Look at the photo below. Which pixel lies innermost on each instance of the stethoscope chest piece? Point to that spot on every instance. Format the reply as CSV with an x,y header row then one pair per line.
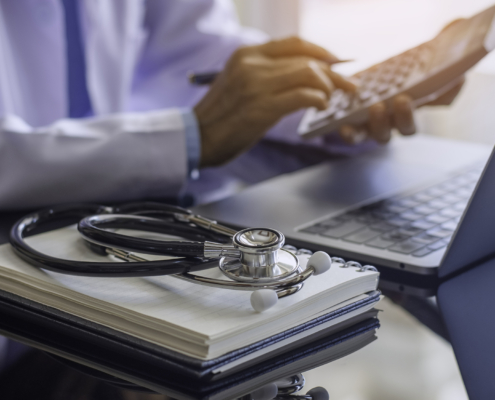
x,y
262,258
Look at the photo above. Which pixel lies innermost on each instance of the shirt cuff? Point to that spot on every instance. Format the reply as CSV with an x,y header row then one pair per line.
x,y
193,142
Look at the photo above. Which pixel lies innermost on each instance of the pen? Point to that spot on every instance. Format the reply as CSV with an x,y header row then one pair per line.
x,y
208,77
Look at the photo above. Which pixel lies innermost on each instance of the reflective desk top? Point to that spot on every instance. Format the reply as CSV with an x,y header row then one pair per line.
x,y
408,361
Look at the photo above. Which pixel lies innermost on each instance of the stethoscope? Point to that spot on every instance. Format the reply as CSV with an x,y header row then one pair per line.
x,y
286,389
253,259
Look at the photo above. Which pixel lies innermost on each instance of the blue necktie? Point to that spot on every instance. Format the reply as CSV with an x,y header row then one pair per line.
x,y
79,103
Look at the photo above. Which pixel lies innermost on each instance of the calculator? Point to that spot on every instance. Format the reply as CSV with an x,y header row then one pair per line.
x,y
424,73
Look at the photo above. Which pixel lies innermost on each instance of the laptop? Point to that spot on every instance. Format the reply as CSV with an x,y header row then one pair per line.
x,y
398,206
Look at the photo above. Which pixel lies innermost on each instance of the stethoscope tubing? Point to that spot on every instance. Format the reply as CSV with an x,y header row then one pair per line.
x,y
104,268
94,229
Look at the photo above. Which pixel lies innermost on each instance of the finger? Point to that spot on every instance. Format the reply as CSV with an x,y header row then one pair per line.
x,y
306,74
340,82
403,114
448,97
295,99
379,125
294,46
290,63
353,135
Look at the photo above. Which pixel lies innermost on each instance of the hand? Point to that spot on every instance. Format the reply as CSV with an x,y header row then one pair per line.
x,y
381,120
259,85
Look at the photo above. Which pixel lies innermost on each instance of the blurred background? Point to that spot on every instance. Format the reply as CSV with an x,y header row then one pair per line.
x,y
370,31
408,361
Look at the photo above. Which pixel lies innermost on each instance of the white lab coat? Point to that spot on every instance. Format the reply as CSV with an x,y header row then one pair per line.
x,y
138,54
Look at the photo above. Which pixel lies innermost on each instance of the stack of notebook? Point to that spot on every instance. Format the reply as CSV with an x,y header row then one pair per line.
x,y
202,331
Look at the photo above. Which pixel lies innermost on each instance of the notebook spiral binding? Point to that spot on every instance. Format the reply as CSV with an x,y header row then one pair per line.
x,y
335,260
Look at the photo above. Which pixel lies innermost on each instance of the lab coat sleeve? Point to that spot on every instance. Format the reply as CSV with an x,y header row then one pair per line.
x,y
116,157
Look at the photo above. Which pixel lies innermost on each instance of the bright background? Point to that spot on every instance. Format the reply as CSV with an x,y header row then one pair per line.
x,y
372,30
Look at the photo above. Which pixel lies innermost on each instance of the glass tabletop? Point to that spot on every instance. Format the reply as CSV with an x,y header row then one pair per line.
x,y
408,361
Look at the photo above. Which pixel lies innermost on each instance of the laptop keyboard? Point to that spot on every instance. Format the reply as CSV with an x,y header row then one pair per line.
x,y
416,224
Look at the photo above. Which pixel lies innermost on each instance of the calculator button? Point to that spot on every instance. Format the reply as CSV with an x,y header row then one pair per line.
x,y
386,77
399,80
366,95
345,102
383,88
403,70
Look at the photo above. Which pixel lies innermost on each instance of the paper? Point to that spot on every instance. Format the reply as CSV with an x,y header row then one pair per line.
x,y
169,304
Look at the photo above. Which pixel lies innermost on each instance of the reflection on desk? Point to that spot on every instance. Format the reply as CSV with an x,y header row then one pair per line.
x,y
270,379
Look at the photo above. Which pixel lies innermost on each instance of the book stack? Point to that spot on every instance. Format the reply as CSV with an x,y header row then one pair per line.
x,y
197,331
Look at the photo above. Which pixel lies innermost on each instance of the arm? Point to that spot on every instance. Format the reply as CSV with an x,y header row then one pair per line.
x,y
111,158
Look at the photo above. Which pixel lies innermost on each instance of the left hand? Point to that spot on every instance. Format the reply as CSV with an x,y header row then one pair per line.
x,y
381,121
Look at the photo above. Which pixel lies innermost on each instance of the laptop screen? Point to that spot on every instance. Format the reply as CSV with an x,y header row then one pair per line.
x,y
474,239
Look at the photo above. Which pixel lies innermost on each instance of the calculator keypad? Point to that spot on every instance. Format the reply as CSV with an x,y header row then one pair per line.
x,y
377,83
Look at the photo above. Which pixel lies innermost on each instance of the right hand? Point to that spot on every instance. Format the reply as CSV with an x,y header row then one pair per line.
x,y
260,85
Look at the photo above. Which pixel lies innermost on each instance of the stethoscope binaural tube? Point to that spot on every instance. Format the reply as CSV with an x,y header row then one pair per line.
x,y
95,229
253,259
103,269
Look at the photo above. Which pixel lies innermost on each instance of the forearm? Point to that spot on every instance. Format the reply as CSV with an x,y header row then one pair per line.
x,y
111,158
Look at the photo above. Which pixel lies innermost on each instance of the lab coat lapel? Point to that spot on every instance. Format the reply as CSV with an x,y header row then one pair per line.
x,y
113,36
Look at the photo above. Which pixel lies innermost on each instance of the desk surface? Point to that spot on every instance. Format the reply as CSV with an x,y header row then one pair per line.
x,y
407,362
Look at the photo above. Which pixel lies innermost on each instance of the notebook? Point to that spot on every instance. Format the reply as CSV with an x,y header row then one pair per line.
x,y
197,321
122,367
